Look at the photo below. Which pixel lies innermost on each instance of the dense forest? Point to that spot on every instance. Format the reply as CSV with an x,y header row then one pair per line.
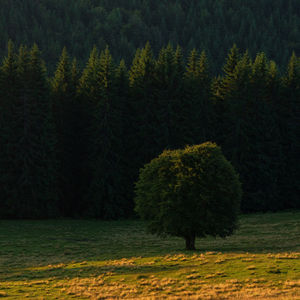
x,y
72,144
211,25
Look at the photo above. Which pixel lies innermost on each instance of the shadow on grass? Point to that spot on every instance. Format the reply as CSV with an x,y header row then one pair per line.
x,y
29,244
88,271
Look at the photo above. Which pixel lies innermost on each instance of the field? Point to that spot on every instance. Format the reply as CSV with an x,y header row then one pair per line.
x,y
67,259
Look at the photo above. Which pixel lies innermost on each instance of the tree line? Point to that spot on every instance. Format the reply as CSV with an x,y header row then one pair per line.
x,y
71,145
213,25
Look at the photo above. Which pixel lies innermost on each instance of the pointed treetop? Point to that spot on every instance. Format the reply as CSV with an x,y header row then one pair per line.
x,y
37,65
292,77
203,71
246,58
179,61
191,68
232,59
260,65
9,62
106,68
242,70
273,70
89,74
35,53
121,69
142,65
23,59
93,59
62,75
75,73
165,67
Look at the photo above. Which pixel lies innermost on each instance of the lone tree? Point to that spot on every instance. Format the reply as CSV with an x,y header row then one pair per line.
x,y
189,193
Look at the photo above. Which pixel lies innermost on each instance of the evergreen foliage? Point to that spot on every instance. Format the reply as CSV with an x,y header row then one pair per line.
x,y
106,192
144,105
197,99
127,25
29,147
72,145
189,193
66,115
8,95
289,116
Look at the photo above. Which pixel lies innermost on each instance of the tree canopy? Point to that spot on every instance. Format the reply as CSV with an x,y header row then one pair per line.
x,y
72,144
210,25
189,193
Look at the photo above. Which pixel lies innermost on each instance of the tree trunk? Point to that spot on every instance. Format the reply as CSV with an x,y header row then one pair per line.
x,y
190,242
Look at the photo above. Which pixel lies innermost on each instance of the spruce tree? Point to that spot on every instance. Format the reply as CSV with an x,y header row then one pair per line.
x,y
198,105
106,195
164,93
190,108
66,114
88,92
178,139
141,76
35,190
222,87
289,126
121,105
263,152
233,114
8,96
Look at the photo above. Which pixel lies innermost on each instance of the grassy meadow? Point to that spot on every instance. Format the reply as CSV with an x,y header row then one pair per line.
x,y
68,259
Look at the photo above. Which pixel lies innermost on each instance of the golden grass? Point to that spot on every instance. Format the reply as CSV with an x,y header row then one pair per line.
x,y
193,281
117,260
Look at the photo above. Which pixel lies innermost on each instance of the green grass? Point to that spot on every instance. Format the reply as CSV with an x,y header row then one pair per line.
x,y
102,260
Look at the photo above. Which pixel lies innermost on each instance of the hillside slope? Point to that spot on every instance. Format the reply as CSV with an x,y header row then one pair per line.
x,y
213,25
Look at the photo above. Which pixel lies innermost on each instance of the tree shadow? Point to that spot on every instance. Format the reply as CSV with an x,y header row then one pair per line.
x,y
81,271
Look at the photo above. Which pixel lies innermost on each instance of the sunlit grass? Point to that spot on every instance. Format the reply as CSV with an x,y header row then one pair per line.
x,y
109,260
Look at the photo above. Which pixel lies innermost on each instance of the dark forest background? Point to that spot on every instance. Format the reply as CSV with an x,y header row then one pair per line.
x,y
211,25
77,123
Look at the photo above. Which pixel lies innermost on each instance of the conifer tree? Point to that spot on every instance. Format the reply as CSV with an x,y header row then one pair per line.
x,y
222,88
66,114
45,139
190,98
164,93
178,122
8,96
227,92
232,60
260,158
197,98
233,113
106,192
122,106
35,186
289,125
141,77
88,92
